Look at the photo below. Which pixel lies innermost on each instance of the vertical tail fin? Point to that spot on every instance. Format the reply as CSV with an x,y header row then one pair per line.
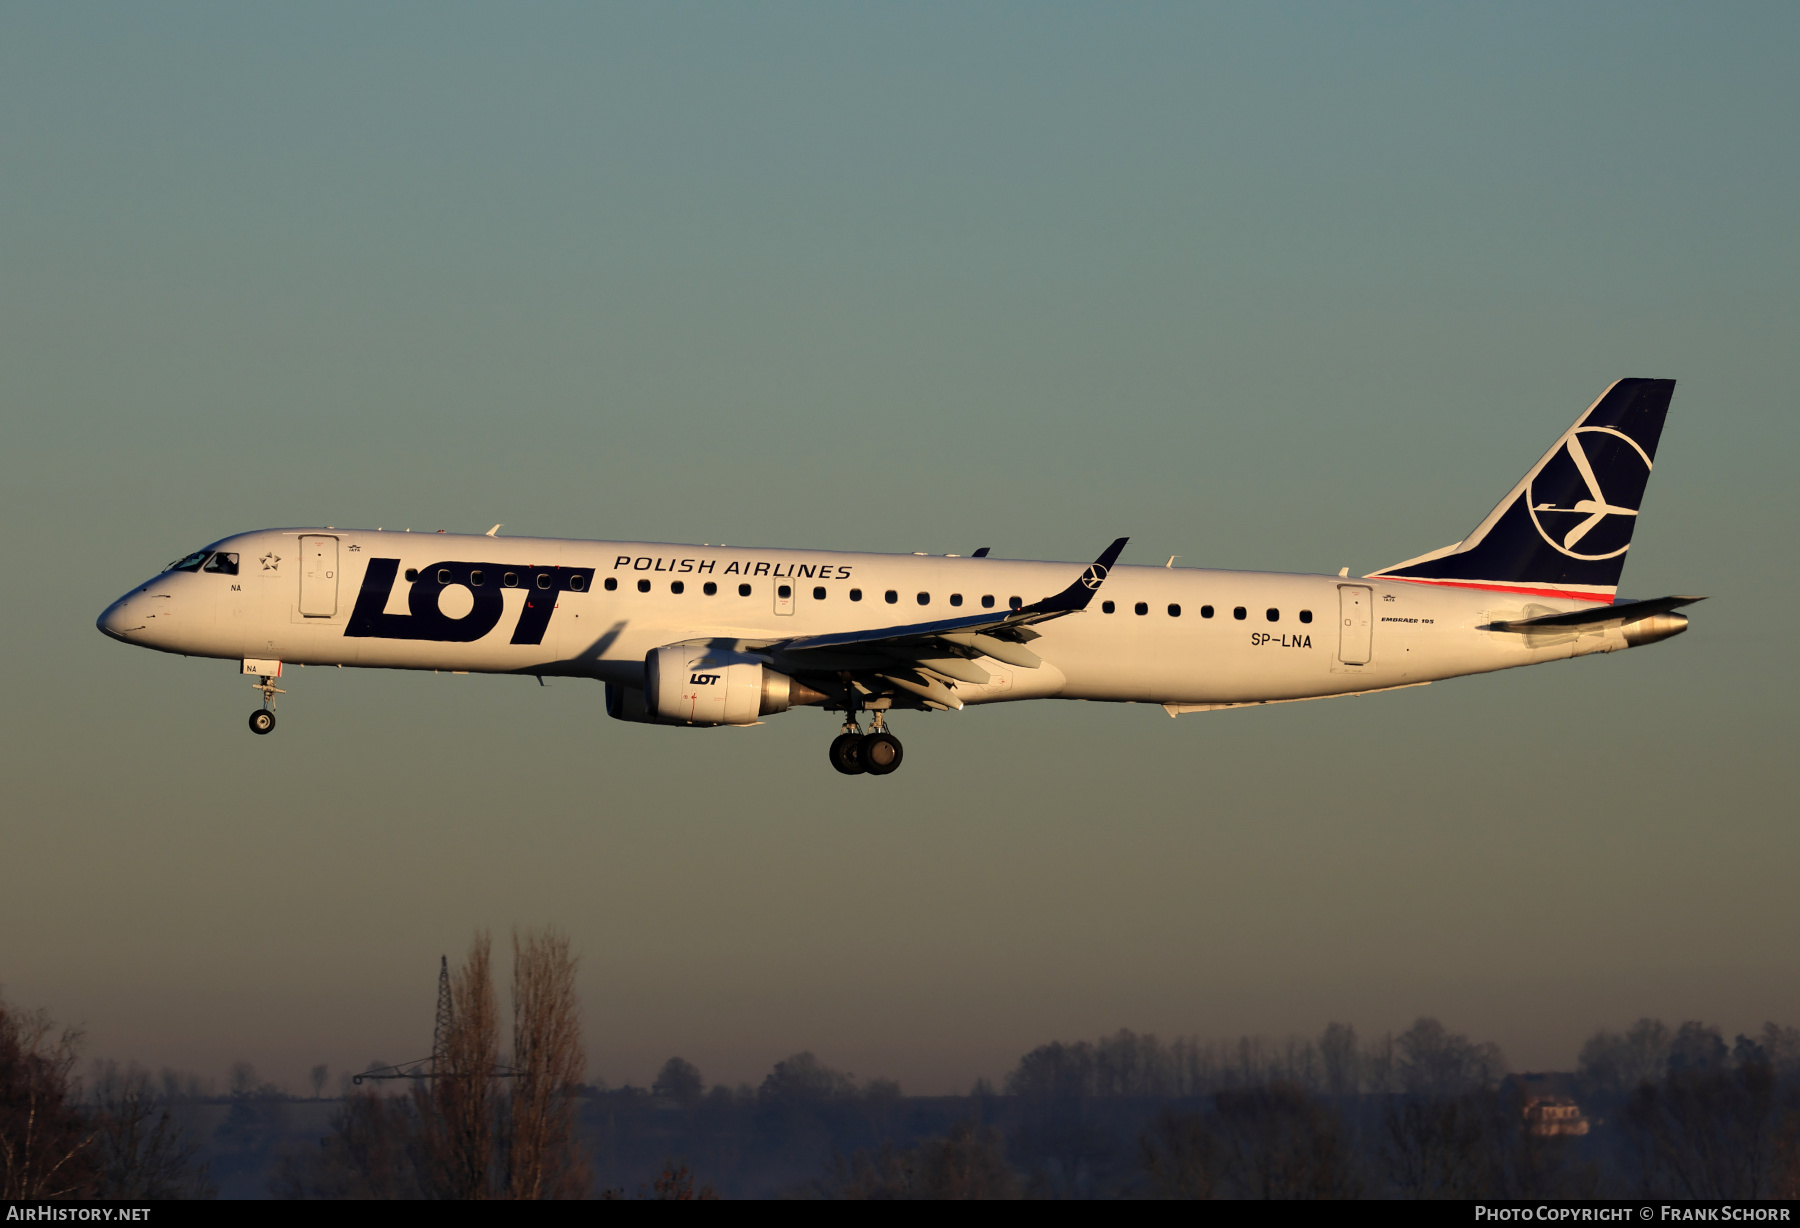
x,y
1564,529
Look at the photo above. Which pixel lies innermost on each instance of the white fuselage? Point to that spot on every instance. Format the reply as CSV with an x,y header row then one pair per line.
x,y
1300,636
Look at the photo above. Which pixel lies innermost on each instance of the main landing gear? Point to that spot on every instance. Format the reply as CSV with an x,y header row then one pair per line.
x,y
263,719
878,752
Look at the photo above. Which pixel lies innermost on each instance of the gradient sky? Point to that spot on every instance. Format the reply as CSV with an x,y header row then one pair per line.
x,y
1264,286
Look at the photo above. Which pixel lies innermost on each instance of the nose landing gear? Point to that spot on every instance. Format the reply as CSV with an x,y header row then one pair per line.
x,y
877,753
263,719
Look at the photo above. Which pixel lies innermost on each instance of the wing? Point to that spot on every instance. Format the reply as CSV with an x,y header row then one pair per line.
x,y
925,661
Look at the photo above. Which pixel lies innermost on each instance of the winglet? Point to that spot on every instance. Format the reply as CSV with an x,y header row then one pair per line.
x,y
1078,594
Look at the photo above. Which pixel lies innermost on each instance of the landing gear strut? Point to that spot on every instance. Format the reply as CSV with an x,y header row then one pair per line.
x,y
854,753
263,719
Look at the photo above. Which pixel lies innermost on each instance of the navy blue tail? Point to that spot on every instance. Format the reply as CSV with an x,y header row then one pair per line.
x,y
1564,529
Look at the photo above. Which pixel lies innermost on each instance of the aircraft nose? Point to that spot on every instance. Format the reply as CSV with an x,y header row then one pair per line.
x,y
120,619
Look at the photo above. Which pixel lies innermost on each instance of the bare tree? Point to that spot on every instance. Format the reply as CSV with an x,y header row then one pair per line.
x,y
1182,1155
966,1164
1611,1064
542,1158
1437,1062
320,1073
1708,1131
46,1144
680,1081
456,1110
139,1149
1337,1047
1278,1142
1439,1147
365,1155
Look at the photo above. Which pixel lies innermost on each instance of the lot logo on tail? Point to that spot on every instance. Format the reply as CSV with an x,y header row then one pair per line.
x,y
1601,528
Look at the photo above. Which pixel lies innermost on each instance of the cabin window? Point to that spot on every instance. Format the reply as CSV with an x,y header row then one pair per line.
x,y
510,579
677,587
1106,607
856,594
1305,616
1174,610
222,564
743,590
955,598
1206,611
612,584
474,579
1240,613
643,586
1015,603
1142,607
443,575
818,594
190,563
576,583
785,591
1274,616
412,573
710,589
924,598
543,580
987,602
891,596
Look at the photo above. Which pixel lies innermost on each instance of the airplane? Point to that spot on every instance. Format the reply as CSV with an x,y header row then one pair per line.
x,y
712,636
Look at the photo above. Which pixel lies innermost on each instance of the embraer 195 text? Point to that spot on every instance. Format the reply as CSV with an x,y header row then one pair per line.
x,y
710,635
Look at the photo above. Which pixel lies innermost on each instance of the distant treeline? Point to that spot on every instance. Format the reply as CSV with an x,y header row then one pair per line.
x,y
1652,1111
1429,1113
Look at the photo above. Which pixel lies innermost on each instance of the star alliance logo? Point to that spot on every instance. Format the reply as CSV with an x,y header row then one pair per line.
x,y
271,562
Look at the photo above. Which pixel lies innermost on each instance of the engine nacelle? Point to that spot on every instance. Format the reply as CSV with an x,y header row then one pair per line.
x,y
693,683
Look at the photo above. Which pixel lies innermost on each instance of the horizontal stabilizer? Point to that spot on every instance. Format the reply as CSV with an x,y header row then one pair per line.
x,y
1597,618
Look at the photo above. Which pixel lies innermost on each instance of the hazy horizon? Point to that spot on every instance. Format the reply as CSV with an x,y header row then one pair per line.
x,y
1275,287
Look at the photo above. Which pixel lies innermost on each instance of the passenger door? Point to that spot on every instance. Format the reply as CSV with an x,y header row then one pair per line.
x,y
1355,632
318,576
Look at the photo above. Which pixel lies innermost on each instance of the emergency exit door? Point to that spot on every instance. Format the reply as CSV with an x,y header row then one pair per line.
x,y
318,576
784,596
1355,632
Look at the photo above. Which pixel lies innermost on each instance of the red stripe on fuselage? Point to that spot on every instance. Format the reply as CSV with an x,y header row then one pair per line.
x,y
1562,594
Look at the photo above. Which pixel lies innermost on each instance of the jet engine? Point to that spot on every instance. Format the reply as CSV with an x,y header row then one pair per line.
x,y
694,683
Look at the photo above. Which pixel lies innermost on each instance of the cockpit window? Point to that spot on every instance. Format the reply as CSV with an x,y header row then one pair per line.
x,y
222,564
190,563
